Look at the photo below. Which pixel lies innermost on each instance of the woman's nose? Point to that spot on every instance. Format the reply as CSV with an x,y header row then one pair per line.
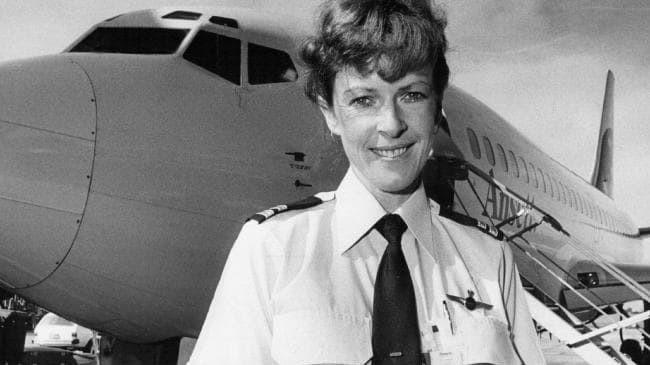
x,y
390,121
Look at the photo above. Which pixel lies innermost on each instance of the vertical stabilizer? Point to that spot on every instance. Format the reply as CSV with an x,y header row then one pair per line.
x,y
602,177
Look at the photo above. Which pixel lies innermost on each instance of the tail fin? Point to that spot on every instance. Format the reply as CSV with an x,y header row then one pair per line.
x,y
602,177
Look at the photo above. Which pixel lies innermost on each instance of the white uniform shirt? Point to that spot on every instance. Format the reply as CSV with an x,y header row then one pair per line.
x,y
298,288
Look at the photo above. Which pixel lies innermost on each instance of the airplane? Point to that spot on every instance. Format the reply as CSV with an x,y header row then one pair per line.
x,y
130,161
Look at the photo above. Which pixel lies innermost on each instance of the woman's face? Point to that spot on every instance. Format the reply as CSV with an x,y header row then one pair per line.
x,y
386,128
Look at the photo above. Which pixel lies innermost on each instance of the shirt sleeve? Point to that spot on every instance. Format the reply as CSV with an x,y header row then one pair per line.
x,y
238,327
523,334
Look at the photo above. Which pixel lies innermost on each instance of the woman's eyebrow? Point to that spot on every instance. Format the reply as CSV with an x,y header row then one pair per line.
x,y
355,90
415,83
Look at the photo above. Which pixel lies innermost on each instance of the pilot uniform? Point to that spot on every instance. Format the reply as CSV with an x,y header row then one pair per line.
x,y
298,288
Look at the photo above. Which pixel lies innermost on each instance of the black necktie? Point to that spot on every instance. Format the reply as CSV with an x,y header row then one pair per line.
x,y
395,332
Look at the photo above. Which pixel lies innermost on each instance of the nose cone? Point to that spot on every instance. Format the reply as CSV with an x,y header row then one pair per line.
x,y
47,139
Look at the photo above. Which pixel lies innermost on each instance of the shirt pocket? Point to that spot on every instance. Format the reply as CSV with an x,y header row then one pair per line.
x,y
486,340
311,337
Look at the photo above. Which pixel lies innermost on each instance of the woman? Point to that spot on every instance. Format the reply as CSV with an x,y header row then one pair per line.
x,y
370,273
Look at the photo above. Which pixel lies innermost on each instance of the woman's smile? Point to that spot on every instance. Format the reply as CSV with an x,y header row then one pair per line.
x,y
391,152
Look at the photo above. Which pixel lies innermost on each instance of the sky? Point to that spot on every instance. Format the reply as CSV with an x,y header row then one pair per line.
x,y
541,64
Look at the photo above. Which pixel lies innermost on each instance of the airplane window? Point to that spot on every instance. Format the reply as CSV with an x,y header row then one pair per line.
x,y
542,180
488,150
513,163
574,201
563,191
183,15
216,53
502,157
600,215
473,144
550,185
228,22
132,41
581,203
269,66
533,175
567,196
551,181
524,169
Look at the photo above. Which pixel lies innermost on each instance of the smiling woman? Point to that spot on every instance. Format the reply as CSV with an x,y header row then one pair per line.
x,y
386,129
370,273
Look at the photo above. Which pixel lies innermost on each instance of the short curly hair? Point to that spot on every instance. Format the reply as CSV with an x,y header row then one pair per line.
x,y
390,37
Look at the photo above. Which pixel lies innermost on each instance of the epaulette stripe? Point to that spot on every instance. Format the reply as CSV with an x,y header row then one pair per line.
x,y
301,204
473,222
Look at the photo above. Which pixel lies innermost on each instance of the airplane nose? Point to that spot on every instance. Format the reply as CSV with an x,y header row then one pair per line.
x,y
47,141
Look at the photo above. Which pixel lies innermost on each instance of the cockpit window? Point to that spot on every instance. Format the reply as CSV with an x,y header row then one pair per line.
x,y
132,41
183,15
269,66
226,22
216,53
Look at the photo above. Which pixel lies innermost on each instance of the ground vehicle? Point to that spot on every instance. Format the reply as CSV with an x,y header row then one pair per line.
x,y
55,331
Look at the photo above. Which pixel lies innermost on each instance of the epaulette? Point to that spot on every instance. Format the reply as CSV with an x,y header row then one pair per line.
x,y
473,222
309,202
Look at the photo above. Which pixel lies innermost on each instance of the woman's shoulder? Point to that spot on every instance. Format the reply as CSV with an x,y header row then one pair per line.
x,y
303,206
472,235
290,222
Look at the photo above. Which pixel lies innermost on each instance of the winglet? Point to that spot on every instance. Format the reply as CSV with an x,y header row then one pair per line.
x,y
602,177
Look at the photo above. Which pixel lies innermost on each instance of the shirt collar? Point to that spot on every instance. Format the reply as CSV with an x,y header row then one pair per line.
x,y
416,212
357,211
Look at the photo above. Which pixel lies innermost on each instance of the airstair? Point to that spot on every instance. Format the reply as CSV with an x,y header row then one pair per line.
x,y
584,340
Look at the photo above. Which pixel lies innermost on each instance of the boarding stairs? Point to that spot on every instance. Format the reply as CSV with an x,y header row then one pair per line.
x,y
585,341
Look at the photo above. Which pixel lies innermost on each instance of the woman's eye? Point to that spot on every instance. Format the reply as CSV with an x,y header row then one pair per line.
x,y
362,101
414,96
